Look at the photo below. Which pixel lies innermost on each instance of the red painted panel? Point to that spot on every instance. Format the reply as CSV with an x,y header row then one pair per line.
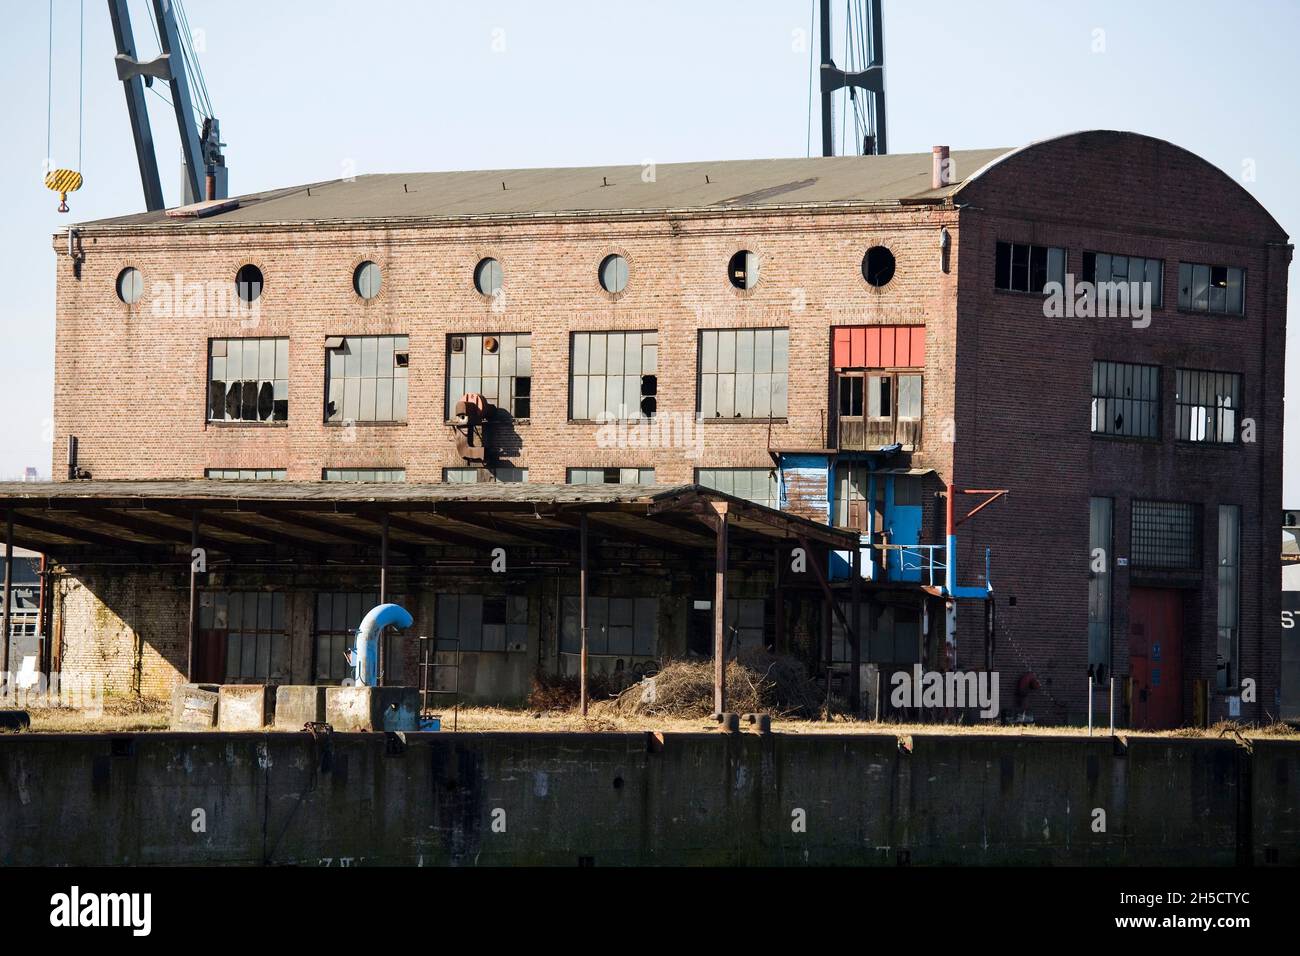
x,y
1156,657
873,347
840,353
878,346
917,357
858,347
902,346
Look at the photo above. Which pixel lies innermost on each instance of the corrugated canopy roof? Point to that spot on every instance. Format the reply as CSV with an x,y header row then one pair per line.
x,y
94,520
747,184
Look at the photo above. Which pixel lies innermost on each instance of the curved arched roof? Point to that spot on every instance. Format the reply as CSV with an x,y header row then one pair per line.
x,y
1045,151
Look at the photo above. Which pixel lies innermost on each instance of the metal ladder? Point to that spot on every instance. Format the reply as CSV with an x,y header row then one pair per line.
x,y
429,667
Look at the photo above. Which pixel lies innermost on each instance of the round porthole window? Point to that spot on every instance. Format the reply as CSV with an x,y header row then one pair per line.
x,y
742,270
248,283
487,277
130,285
613,273
367,279
878,266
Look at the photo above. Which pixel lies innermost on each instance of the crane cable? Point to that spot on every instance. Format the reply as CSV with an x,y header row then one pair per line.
x,y
64,181
81,83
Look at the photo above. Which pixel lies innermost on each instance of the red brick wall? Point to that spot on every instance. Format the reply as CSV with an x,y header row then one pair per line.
x,y
1023,394
130,384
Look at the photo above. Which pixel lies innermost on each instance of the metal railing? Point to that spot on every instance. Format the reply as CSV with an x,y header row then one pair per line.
x,y
927,560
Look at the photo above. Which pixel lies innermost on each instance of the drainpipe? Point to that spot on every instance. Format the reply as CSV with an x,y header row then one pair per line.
x,y
950,575
950,569
365,657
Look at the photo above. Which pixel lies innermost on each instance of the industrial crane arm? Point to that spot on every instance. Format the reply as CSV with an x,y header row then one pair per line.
x,y
200,146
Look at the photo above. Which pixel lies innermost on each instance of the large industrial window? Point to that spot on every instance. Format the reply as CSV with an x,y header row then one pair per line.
x,y
611,476
469,476
626,627
1207,405
484,622
245,474
363,474
1165,534
1101,267
498,367
1227,677
1100,534
250,627
743,373
614,375
338,615
753,484
1206,288
1021,267
1125,400
365,378
248,380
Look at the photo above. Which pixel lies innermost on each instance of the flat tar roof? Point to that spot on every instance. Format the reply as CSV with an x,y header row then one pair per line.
x,y
497,193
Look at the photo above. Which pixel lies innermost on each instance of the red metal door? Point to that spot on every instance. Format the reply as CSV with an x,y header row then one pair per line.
x,y
1156,657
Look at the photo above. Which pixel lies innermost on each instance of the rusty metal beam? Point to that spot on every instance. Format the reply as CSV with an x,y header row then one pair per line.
x,y
719,610
193,642
994,494
582,612
256,532
826,589
422,530
8,592
367,539
80,534
153,529
490,523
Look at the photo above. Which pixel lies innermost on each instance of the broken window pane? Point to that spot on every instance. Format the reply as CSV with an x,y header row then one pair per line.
x,y
1125,400
246,376
612,382
1211,288
735,381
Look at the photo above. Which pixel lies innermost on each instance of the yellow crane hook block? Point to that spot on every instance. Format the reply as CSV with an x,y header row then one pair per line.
x,y
63,181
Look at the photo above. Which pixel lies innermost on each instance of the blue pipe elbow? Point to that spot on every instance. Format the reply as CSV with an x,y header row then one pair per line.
x,y
366,656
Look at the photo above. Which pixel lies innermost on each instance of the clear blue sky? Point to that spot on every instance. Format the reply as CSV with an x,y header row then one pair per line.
x,y
304,86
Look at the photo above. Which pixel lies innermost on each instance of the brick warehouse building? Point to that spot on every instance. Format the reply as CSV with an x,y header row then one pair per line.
x,y
890,336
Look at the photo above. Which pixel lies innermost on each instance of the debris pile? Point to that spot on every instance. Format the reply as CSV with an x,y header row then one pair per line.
x,y
757,682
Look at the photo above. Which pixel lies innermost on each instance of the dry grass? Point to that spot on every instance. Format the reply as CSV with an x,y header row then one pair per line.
x,y
119,715
126,716
604,719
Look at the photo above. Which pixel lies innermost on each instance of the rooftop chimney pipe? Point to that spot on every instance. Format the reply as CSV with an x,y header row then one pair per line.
x,y
941,168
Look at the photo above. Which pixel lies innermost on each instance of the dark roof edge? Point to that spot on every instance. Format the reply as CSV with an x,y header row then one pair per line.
x,y
107,228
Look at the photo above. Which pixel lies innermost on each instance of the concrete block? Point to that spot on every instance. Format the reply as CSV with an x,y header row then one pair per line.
x,y
194,707
351,709
298,704
245,706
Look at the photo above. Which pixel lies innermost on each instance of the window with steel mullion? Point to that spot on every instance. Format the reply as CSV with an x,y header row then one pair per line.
x,y
1019,267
